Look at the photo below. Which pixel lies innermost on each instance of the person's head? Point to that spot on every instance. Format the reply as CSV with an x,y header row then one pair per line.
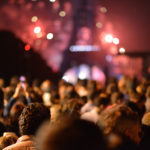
x,y
8,93
46,86
66,90
91,85
17,109
73,134
146,119
101,102
72,107
121,120
111,88
32,117
141,89
116,98
8,139
35,96
14,81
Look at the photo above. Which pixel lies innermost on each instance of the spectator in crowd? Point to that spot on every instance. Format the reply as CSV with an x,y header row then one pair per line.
x,y
11,122
88,106
72,107
121,120
30,120
145,144
117,108
7,139
100,103
137,103
20,93
147,103
72,134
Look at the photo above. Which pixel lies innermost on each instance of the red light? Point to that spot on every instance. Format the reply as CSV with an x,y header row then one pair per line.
x,y
27,47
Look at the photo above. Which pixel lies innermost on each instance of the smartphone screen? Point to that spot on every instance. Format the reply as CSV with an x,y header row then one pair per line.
x,y
22,81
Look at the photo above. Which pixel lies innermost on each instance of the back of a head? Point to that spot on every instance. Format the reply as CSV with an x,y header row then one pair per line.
x,y
17,109
120,120
72,107
14,81
116,98
111,88
101,100
32,117
73,134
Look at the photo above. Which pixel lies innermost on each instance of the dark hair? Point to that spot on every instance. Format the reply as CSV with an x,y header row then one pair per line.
x,y
116,97
72,107
74,134
118,119
101,101
32,117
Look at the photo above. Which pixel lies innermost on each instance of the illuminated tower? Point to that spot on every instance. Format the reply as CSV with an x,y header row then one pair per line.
x,y
83,34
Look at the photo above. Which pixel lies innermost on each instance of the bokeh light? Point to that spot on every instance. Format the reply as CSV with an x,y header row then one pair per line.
x,y
27,47
116,41
99,25
37,30
109,38
62,13
103,9
52,1
122,50
65,78
34,19
50,36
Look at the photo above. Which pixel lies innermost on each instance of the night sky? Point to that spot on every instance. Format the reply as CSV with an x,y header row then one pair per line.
x,y
131,20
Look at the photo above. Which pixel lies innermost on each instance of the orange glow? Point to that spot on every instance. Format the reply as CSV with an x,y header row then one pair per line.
x,y
114,50
27,47
39,35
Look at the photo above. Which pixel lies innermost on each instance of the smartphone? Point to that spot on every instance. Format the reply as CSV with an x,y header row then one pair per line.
x,y
22,81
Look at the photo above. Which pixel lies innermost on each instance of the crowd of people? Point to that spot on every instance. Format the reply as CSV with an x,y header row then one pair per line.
x,y
86,115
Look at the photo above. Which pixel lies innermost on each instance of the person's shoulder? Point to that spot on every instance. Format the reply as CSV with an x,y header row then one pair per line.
x,y
11,147
21,145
